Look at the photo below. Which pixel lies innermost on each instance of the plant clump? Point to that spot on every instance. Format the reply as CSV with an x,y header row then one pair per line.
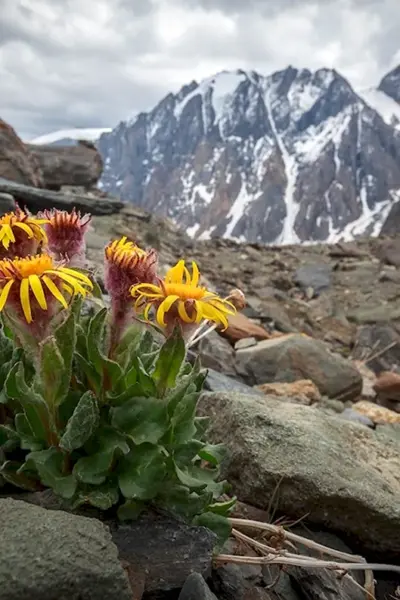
x,y
92,404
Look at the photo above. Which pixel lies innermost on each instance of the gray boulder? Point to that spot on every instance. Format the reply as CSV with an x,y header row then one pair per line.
x,y
295,356
52,555
339,474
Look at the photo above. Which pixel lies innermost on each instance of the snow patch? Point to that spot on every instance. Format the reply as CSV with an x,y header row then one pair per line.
x,y
91,135
388,108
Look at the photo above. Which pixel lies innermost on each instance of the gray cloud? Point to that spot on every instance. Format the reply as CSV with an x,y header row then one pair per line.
x,y
67,63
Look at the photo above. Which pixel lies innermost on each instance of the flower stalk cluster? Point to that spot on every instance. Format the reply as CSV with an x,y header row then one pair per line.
x,y
104,411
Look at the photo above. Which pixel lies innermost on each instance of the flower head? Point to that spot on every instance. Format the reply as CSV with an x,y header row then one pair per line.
x,y
34,288
180,298
66,235
20,234
125,265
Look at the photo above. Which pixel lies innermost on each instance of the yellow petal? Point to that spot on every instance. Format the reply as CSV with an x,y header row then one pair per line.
x,y
25,228
4,293
199,311
78,275
25,302
195,274
37,290
175,274
145,289
78,289
67,288
164,307
183,314
54,290
146,311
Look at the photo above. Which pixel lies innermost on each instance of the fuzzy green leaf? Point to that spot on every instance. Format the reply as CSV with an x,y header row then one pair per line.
x,y
169,362
10,472
33,404
143,419
49,465
51,376
216,523
185,453
222,508
103,497
96,350
94,469
82,424
179,500
130,510
213,454
188,480
66,336
106,446
141,472
88,370
183,419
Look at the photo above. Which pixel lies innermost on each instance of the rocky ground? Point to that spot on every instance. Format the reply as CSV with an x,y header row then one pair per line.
x,y
303,387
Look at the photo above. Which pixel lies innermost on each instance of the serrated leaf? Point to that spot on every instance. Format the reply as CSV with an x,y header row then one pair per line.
x,y
49,465
213,454
141,472
143,419
82,424
169,361
216,523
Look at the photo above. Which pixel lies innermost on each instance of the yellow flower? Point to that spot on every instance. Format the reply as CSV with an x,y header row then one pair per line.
x,y
34,282
18,227
180,298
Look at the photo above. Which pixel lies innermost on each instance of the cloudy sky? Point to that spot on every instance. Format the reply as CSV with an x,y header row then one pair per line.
x,y
91,63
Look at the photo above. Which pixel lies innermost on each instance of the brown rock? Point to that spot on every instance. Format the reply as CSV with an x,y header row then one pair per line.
x,y
241,327
377,414
17,163
388,385
303,391
76,166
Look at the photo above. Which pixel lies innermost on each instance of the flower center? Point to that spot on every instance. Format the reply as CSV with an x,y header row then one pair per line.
x,y
184,291
21,268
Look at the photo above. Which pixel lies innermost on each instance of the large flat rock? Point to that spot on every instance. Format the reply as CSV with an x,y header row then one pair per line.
x,y
339,474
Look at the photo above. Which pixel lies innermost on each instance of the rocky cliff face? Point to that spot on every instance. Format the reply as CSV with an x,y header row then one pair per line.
x,y
296,156
390,84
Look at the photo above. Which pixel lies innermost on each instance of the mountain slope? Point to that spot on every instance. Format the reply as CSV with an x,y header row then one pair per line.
x,y
295,156
69,137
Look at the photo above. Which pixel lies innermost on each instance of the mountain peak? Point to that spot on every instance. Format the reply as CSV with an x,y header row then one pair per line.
x,y
390,84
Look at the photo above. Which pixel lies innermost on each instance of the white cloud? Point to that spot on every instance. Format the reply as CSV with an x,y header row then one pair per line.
x,y
66,63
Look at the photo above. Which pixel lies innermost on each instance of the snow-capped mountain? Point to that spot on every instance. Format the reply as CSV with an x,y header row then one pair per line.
x,y
69,137
295,156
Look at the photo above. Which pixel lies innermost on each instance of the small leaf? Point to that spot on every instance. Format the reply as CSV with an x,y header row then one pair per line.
x,y
169,362
82,424
141,472
34,406
222,508
193,483
184,454
216,523
143,419
213,454
103,497
49,465
9,471
179,500
130,510
52,373
94,469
